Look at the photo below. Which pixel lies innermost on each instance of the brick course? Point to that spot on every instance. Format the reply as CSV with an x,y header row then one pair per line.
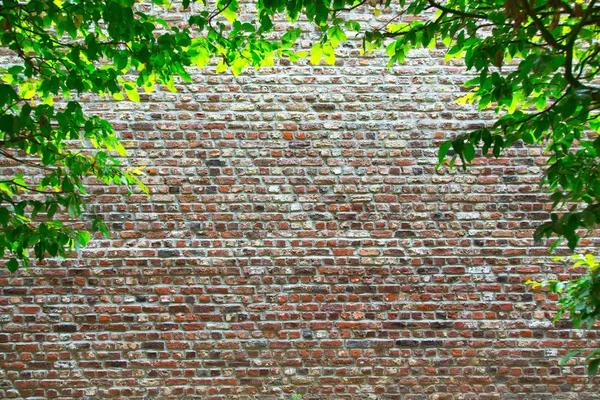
x,y
299,239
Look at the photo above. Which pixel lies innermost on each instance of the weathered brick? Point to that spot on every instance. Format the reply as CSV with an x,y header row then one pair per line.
x,y
153,345
65,328
298,238
358,344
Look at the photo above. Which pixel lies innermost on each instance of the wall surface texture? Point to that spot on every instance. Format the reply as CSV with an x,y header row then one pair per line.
x,y
298,239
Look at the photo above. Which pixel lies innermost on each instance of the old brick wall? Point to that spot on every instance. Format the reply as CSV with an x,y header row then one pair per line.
x,y
299,240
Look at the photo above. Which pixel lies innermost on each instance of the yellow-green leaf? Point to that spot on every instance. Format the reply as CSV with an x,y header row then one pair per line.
x,y
119,148
230,11
316,53
201,58
329,55
170,84
149,86
132,93
221,67
118,96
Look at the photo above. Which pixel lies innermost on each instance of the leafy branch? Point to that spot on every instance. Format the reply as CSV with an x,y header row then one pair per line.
x,y
579,302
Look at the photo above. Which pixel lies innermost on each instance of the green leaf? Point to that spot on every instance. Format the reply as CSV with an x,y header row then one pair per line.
x,y
132,93
143,187
52,210
32,240
444,148
329,53
498,146
554,245
540,103
83,237
67,185
469,152
593,366
568,356
12,265
316,54
452,162
120,149
230,12
4,216
221,67
568,108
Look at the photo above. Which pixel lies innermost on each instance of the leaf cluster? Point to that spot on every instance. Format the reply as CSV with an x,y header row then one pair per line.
x,y
580,301
108,48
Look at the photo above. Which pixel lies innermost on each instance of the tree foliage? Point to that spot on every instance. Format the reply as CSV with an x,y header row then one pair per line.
x,y
580,300
106,48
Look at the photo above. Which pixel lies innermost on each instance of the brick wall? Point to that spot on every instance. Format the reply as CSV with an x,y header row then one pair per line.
x,y
298,239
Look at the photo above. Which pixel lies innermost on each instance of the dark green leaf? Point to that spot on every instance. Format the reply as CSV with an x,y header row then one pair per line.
x,y
444,148
12,265
469,152
593,366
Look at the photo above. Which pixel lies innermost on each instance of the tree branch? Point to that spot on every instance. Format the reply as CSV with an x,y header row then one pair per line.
x,y
31,189
541,27
574,82
349,8
456,12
